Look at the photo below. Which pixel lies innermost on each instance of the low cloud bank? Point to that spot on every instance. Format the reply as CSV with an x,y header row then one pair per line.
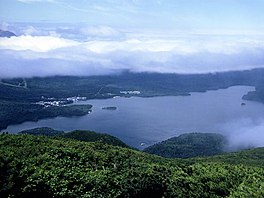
x,y
245,133
105,50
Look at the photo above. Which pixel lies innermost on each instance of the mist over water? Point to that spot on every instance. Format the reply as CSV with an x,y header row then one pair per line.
x,y
244,133
151,120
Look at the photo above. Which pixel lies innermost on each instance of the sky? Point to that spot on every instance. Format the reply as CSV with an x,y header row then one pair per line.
x,y
156,14
87,37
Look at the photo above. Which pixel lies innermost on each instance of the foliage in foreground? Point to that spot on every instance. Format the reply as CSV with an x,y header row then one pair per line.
x,y
39,166
250,157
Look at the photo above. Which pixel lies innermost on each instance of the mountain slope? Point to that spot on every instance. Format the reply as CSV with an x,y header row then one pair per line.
x,y
189,145
91,136
42,131
81,135
250,157
39,166
7,34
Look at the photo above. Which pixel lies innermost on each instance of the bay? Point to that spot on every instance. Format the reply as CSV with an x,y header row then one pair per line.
x,y
145,121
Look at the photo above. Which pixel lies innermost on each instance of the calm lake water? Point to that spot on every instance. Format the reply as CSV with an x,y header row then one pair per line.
x,y
150,120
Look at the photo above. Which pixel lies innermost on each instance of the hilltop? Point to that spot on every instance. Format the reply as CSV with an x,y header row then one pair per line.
x,y
81,135
42,131
189,145
7,34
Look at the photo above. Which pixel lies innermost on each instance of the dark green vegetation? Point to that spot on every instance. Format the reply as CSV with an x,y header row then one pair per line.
x,y
91,136
42,166
257,95
81,135
189,145
42,131
19,94
149,84
252,157
18,112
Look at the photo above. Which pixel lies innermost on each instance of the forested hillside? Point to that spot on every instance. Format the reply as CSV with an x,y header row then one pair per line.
x,y
189,145
82,135
41,166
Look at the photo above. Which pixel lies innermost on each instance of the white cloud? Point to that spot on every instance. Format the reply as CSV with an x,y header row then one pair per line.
x,y
245,133
100,31
43,55
30,30
35,43
4,26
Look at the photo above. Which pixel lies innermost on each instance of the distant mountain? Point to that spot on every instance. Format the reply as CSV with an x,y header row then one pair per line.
x,y
42,131
189,145
6,34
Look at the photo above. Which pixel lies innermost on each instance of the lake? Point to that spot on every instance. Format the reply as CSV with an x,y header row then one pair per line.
x,y
150,120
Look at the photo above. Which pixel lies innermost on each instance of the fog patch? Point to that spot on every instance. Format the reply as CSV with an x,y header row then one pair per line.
x,y
244,133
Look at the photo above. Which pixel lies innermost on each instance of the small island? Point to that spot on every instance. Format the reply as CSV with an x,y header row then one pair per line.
x,y
109,108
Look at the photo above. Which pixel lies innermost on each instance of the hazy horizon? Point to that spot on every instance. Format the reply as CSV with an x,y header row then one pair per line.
x,y
60,37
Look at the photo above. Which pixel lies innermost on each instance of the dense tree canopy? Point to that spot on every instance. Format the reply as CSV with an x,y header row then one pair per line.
x,y
189,145
41,166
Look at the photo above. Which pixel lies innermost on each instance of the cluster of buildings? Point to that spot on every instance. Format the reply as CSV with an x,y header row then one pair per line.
x,y
130,92
51,103
76,98
56,103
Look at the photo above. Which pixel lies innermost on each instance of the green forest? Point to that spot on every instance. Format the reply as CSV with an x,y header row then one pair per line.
x,y
82,135
189,145
52,166
16,113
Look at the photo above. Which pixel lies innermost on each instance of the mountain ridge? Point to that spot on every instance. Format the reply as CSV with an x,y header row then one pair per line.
x,y
189,145
7,34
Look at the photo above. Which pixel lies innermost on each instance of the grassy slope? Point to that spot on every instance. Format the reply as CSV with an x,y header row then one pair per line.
x,y
39,166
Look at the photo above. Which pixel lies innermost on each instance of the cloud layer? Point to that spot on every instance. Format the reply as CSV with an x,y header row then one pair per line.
x,y
102,49
244,133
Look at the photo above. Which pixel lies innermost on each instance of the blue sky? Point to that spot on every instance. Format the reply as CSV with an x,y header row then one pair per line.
x,y
86,37
175,14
